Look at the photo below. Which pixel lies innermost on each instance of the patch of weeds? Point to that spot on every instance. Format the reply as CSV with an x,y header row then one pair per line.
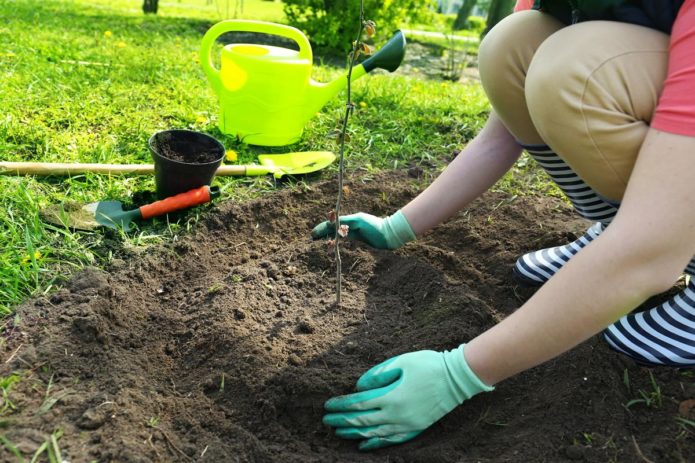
x,y
6,384
456,58
485,420
153,422
626,380
215,288
686,426
651,399
50,448
11,447
588,437
50,400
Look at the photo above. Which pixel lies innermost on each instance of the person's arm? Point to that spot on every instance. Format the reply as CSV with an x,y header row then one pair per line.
x,y
642,253
481,163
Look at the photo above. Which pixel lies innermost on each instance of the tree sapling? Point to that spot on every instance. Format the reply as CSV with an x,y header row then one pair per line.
x,y
367,28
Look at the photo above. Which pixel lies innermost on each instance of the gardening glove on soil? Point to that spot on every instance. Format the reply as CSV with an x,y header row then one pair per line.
x,y
403,396
382,233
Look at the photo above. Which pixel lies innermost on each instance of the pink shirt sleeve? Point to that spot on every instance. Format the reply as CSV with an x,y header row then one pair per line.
x,y
523,5
675,112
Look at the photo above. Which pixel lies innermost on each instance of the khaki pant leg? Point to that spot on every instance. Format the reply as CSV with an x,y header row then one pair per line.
x,y
591,90
503,61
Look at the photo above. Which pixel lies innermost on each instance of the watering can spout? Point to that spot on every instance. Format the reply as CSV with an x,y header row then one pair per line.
x,y
389,57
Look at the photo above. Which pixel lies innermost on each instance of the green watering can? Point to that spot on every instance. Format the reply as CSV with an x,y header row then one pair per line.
x,y
266,92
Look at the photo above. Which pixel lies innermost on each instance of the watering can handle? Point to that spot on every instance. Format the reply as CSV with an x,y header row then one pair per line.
x,y
242,25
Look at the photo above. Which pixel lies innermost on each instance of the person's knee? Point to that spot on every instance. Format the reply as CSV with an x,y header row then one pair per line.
x,y
553,84
590,91
586,73
503,60
506,50
492,52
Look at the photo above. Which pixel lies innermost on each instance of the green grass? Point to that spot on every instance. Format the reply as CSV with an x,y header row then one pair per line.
x,y
649,398
92,80
442,23
213,10
6,383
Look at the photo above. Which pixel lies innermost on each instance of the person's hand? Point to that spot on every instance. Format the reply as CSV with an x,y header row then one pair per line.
x,y
403,396
388,233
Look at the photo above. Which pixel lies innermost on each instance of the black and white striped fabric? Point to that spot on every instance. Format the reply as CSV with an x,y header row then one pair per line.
x,y
664,335
584,199
690,269
535,268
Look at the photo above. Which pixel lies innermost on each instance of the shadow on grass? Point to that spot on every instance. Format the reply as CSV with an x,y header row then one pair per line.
x,y
58,16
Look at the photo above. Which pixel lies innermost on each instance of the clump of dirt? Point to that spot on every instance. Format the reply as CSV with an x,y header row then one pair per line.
x,y
224,346
187,147
193,157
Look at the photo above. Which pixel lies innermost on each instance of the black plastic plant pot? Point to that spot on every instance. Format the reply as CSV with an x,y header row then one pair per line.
x,y
184,160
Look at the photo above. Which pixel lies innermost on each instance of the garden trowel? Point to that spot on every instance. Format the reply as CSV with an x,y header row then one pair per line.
x,y
291,163
111,214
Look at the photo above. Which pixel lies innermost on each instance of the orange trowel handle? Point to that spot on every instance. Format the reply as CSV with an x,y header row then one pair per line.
x,y
190,198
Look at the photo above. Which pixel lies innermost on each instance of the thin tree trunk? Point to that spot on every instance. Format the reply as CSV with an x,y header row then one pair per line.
x,y
150,6
499,9
463,14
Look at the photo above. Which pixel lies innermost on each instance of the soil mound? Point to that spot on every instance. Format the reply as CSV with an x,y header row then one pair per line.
x,y
224,346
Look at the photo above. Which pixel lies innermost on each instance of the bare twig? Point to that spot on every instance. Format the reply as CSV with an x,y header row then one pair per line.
x,y
639,451
357,261
149,441
14,353
166,436
349,107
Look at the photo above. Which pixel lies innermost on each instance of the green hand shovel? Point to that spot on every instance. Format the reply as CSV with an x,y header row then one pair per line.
x,y
110,214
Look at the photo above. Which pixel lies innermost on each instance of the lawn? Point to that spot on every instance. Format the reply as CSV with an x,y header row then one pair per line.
x,y
91,81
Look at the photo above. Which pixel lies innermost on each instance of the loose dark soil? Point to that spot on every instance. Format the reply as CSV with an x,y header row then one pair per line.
x,y
188,147
224,346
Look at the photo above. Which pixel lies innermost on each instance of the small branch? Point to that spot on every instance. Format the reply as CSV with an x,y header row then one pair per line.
x,y
166,436
639,451
341,164
149,441
14,353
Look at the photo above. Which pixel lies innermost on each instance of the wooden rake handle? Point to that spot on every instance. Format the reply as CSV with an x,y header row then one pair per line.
x,y
66,168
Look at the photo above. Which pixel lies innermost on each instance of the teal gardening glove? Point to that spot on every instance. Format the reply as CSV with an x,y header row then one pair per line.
x,y
388,233
403,396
